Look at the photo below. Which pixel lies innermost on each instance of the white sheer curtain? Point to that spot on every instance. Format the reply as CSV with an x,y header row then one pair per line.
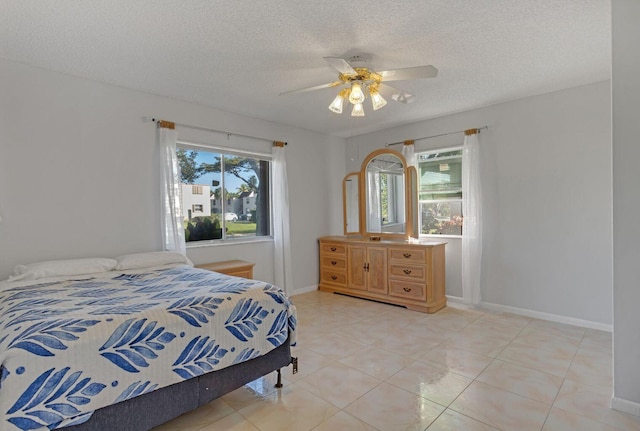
x,y
172,227
281,234
472,226
408,151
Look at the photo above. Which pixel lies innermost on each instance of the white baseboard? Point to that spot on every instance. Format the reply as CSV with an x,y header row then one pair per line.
x,y
625,406
459,303
304,290
454,299
535,314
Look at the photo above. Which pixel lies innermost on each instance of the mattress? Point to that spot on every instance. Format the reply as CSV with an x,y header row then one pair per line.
x,y
71,346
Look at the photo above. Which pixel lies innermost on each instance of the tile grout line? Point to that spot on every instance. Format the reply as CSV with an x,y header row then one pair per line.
x,y
495,358
564,379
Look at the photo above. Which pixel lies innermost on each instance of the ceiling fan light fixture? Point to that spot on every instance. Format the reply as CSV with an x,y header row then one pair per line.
x,y
336,105
377,101
358,82
338,102
358,110
357,95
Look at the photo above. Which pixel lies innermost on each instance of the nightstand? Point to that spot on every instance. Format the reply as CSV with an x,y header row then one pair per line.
x,y
237,268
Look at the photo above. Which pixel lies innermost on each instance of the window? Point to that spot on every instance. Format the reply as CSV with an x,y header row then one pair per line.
x,y
440,192
224,178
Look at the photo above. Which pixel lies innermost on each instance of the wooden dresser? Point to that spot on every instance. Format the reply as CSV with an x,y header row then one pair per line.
x,y
408,273
238,268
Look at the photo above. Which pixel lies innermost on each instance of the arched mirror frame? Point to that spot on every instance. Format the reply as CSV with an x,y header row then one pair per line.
x,y
364,194
411,203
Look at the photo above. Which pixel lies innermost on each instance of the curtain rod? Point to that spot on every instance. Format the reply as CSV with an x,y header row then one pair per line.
x,y
207,129
437,136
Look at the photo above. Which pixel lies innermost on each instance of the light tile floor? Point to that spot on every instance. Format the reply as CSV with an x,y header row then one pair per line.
x,y
370,366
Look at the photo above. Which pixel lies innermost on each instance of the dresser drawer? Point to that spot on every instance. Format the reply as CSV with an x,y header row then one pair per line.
x,y
333,277
334,262
407,289
333,248
407,255
413,272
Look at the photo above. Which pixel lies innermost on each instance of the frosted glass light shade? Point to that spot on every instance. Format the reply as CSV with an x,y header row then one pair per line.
x,y
358,110
377,100
336,105
356,96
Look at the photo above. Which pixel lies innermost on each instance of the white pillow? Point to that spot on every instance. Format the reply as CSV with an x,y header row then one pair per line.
x,y
56,268
149,259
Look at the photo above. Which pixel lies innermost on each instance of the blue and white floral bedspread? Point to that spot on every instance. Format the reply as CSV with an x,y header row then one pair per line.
x,y
69,347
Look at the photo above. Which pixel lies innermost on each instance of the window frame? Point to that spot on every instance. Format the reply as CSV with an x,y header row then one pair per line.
x,y
233,152
427,201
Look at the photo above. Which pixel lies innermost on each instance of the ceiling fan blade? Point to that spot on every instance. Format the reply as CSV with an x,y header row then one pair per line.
x,y
418,72
341,65
317,87
396,94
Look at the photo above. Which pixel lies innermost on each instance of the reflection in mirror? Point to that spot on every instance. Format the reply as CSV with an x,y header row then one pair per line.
x,y
385,194
350,205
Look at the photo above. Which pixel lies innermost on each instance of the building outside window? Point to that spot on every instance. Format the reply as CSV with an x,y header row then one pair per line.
x,y
195,204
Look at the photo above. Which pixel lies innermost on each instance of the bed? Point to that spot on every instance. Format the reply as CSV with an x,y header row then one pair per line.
x,y
133,342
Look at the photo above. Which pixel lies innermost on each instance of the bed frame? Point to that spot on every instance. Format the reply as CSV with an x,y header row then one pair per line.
x,y
155,408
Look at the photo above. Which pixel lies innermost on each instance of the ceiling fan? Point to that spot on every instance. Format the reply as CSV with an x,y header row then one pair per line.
x,y
360,80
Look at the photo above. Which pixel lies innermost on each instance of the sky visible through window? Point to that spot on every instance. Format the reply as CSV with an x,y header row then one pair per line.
x,y
231,183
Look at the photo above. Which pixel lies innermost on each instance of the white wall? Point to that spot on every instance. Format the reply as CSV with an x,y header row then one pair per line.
x,y
546,169
626,205
79,173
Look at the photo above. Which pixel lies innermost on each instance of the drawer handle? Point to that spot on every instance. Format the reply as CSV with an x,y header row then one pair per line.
x,y
334,262
407,255
406,289
333,249
406,271
334,277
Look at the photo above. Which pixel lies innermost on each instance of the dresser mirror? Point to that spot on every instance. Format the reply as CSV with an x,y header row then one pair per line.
x,y
385,193
381,199
351,202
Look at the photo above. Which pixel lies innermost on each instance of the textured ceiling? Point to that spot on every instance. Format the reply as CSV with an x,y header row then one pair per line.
x,y
239,55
